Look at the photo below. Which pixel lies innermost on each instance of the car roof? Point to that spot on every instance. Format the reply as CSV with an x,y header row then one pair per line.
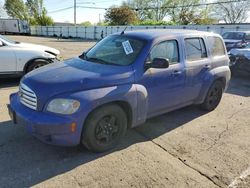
x,y
151,34
237,32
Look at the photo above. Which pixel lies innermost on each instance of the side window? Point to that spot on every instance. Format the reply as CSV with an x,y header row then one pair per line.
x,y
195,49
167,50
248,36
216,46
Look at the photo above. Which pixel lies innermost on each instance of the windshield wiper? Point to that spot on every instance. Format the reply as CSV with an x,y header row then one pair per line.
x,y
97,60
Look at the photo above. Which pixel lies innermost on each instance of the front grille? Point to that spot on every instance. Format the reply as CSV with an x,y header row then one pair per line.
x,y
27,96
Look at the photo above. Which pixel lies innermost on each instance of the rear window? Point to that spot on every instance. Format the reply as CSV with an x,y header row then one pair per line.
x,y
195,49
233,35
216,46
248,36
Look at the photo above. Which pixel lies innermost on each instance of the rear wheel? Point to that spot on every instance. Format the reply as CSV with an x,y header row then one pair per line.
x,y
213,97
104,128
36,64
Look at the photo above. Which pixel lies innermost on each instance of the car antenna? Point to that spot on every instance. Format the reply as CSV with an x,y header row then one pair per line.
x,y
122,33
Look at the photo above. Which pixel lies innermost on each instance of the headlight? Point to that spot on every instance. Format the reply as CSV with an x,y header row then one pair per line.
x,y
63,106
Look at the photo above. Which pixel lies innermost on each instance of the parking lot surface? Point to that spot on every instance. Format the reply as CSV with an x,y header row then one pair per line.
x,y
184,148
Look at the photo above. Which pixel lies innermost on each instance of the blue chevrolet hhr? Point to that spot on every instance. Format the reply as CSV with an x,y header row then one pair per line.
x,y
119,83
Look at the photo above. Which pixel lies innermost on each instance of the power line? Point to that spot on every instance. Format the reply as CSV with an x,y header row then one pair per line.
x,y
151,8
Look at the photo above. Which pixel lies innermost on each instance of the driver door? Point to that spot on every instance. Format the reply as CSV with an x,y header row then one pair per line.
x,y
7,59
165,86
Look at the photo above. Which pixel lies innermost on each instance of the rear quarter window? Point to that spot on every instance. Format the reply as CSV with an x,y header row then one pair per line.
x,y
216,46
248,36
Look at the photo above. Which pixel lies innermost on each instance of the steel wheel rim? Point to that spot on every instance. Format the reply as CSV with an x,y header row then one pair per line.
x,y
37,66
107,129
214,96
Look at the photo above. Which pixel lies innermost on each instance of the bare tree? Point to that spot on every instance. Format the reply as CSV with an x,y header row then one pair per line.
x,y
184,12
233,12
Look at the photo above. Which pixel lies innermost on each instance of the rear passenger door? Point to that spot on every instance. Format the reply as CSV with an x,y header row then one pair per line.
x,y
197,66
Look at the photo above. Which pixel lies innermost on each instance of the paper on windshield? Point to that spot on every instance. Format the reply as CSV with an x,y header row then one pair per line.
x,y
127,47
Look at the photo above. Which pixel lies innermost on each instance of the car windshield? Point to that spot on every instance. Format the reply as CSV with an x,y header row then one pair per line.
x,y
115,50
233,35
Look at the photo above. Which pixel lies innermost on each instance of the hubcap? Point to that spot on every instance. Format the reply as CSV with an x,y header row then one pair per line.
x,y
106,129
37,66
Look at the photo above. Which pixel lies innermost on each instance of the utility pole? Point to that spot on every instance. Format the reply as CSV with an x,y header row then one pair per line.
x,y
99,18
75,12
157,10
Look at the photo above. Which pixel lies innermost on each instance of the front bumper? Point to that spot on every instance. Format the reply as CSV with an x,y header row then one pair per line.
x,y
47,127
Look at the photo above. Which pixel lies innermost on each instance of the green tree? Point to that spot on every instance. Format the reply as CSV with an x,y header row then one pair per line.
x,y
183,12
44,19
86,23
154,22
38,13
120,16
16,9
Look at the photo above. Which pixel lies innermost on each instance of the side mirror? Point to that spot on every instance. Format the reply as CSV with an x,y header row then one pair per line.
x,y
158,63
1,43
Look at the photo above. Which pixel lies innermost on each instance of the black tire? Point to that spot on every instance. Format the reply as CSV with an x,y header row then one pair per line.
x,y
213,96
104,128
35,64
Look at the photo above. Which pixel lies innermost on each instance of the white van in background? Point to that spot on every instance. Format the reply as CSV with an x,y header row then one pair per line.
x,y
14,26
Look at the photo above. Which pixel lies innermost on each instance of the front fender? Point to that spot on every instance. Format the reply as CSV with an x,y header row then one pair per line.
x,y
134,95
24,57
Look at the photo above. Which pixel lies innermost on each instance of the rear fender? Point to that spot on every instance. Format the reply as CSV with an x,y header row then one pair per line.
x,y
220,73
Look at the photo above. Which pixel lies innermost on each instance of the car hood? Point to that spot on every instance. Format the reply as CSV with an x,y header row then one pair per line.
x,y
241,52
38,47
75,75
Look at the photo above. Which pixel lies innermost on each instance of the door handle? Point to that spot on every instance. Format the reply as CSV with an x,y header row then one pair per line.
x,y
176,73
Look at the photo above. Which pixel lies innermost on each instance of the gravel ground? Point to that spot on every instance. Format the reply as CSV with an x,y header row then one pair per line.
x,y
184,148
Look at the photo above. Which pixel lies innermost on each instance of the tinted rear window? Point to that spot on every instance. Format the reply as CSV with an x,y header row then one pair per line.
x,y
247,36
233,35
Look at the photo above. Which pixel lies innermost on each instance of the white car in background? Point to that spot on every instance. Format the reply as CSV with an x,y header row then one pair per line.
x,y
20,58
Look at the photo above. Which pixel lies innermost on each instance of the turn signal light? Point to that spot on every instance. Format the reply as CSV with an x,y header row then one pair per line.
x,y
73,127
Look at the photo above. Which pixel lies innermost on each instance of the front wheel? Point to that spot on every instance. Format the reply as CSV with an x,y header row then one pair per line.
x,y
36,64
104,128
213,96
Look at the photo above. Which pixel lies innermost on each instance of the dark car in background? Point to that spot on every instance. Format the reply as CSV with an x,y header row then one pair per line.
x,y
236,39
240,61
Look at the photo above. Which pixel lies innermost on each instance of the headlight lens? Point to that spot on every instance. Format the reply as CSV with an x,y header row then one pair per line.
x,y
63,106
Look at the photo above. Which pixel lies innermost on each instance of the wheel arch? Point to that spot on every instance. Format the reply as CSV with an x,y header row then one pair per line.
x,y
33,60
205,89
124,105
